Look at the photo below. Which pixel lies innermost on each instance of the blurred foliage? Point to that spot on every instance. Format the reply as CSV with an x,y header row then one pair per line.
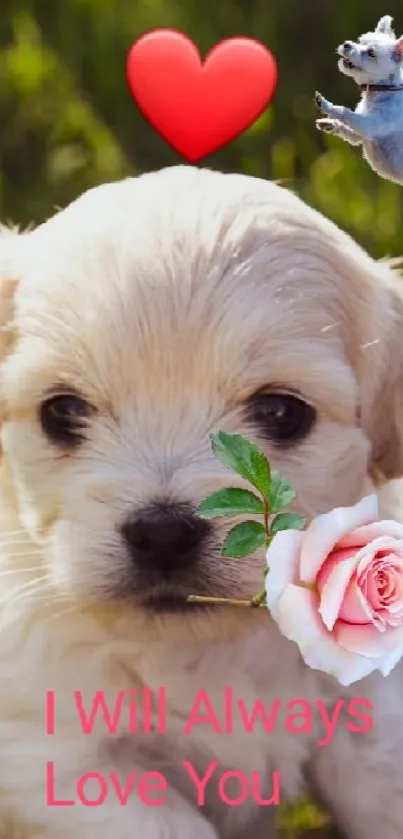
x,y
304,821
67,121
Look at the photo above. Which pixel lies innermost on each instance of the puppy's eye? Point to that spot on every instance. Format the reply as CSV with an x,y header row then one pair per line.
x,y
283,418
371,53
64,417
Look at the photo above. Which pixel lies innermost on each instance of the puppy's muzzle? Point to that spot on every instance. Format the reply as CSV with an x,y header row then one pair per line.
x,y
346,50
165,538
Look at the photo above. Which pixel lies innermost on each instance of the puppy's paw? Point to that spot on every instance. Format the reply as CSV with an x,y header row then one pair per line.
x,y
322,103
328,126
318,100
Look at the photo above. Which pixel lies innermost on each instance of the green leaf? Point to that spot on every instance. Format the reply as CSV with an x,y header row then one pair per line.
x,y
287,521
244,458
230,502
244,539
281,493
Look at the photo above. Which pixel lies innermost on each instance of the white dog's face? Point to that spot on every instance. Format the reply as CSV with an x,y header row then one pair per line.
x,y
375,58
154,312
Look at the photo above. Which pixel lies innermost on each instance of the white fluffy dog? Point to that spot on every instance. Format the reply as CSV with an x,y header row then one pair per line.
x,y
137,321
375,63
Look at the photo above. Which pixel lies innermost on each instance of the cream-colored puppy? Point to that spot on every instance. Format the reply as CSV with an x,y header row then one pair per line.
x,y
145,316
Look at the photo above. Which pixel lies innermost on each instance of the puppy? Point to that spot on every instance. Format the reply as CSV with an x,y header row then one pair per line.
x,y
145,316
375,64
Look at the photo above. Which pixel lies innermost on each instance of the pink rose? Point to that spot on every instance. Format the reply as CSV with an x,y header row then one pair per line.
x,y
336,590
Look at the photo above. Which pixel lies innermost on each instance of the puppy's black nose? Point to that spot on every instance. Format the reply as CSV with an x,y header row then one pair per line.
x,y
166,536
347,46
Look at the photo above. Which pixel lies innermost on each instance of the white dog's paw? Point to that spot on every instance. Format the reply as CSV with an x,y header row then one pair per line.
x,y
322,103
328,126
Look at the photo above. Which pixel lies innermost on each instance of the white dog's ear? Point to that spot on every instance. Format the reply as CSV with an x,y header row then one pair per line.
x,y
380,360
385,26
398,50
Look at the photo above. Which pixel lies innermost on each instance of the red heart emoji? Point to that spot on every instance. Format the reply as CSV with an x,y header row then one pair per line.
x,y
198,108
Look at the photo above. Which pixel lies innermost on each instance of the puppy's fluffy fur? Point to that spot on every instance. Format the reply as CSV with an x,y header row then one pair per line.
x,y
167,301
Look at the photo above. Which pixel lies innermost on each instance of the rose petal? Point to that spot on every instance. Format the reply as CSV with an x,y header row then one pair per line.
x,y
299,621
325,531
368,583
364,604
381,586
368,640
333,592
368,553
362,535
283,561
389,662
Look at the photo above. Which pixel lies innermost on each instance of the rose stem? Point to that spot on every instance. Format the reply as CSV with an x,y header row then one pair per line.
x,y
221,601
259,599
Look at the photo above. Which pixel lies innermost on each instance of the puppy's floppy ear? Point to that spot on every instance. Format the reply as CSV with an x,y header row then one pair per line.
x,y
385,25
9,242
8,283
379,329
